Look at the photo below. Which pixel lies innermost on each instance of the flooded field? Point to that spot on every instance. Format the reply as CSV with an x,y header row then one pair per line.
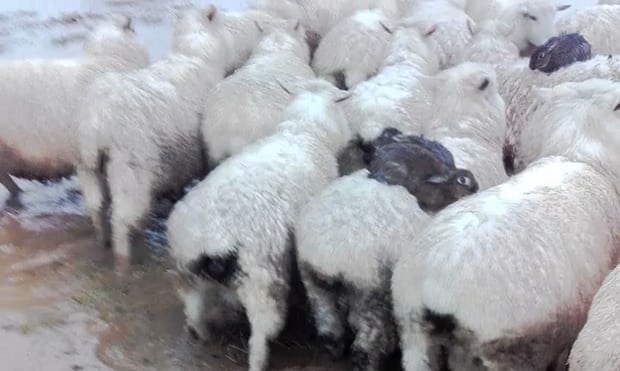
x,y
61,306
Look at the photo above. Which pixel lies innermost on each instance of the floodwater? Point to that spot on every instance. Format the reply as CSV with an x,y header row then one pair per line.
x,y
61,306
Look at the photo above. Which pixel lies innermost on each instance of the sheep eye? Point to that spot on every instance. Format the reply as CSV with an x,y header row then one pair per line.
x,y
463,180
617,107
484,84
532,17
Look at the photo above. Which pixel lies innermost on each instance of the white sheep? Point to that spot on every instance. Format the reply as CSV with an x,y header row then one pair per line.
x,y
250,203
354,49
321,16
396,96
243,30
469,119
598,344
40,98
532,22
494,282
490,44
516,83
249,104
345,242
140,138
610,2
598,24
454,28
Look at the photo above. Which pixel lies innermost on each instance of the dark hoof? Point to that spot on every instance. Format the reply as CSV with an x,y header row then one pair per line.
x,y
14,203
334,346
360,360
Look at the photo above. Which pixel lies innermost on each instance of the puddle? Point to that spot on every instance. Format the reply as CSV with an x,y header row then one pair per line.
x,y
63,308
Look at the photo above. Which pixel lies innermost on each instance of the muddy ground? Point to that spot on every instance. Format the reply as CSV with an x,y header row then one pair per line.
x,y
62,307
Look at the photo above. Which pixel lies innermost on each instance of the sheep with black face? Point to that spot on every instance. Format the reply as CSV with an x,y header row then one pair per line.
x,y
346,243
560,51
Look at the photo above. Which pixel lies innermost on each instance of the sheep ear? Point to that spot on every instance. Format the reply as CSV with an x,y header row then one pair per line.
x,y
341,95
210,13
386,28
562,7
284,87
429,30
128,26
437,179
472,27
545,94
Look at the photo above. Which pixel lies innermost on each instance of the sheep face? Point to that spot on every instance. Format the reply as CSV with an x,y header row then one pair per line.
x,y
413,166
116,38
286,35
560,51
477,82
533,22
412,43
580,120
316,108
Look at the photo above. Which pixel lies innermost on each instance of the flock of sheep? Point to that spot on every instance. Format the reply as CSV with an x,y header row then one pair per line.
x,y
436,189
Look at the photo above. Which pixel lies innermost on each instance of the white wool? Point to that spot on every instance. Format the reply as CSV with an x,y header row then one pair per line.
x,y
530,21
356,47
248,104
598,344
147,123
502,266
609,2
347,234
490,44
348,230
517,82
40,98
322,16
506,243
395,97
597,24
454,28
470,122
241,30
595,105
251,202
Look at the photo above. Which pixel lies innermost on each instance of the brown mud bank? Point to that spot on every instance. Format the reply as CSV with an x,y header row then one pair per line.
x,y
63,308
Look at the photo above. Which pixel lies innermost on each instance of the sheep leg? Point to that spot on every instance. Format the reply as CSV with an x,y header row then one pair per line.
x,y
14,190
95,201
414,342
265,302
376,338
328,321
130,190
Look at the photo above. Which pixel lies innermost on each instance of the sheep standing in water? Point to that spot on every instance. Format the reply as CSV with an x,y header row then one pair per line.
x,y
140,138
347,239
232,233
40,99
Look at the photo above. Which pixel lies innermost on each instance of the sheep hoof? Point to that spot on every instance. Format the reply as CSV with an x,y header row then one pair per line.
x,y
14,203
122,265
335,347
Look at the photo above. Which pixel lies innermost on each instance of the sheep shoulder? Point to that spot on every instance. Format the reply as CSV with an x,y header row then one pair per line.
x,y
359,205
461,245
